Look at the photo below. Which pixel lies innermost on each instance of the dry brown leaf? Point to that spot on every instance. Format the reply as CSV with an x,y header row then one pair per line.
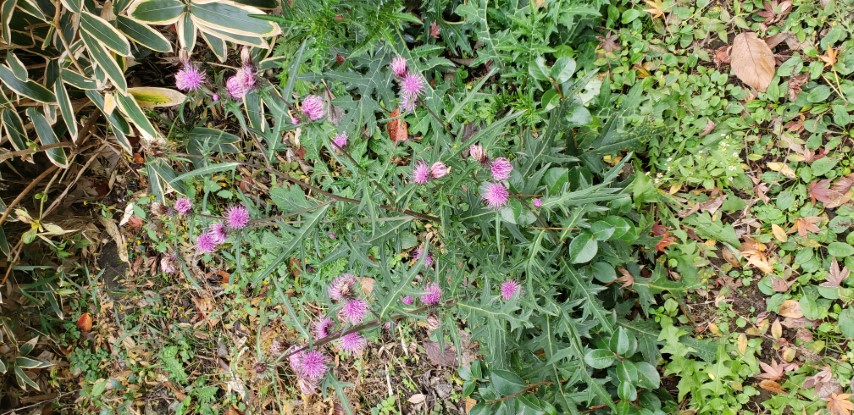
x,y
840,404
836,276
470,403
829,57
771,386
710,126
806,225
84,323
773,371
752,61
796,84
783,169
627,279
780,285
398,129
776,329
666,240
779,233
440,357
790,309
742,343
654,9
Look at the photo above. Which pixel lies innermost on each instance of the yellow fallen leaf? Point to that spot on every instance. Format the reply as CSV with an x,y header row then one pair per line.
x,y
782,168
777,329
742,343
779,233
790,309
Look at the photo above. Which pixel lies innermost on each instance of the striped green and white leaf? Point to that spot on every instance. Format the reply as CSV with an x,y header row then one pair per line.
x,y
143,35
105,33
78,81
105,61
6,11
255,41
217,45
186,33
29,89
47,137
231,18
154,97
128,105
65,108
159,12
24,380
14,126
17,67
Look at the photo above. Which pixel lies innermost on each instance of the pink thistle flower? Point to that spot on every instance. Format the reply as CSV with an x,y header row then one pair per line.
x,y
237,217
412,84
312,365
341,286
169,263
275,348
538,203
509,288
439,170
215,97
294,120
189,78
331,235
433,294
183,205
340,140
321,328
398,66
501,169
295,361
354,311
477,153
241,83
494,194
353,342
408,300
217,229
419,252
421,173
205,243
312,106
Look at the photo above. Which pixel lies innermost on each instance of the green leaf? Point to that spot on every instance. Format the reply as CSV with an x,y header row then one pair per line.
x,y
27,88
230,18
599,358
65,108
105,61
840,249
29,363
6,11
310,222
78,81
2,367
14,126
47,136
217,46
648,376
143,35
206,141
157,11
17,67
154,97
563,69
621,342
846,322
583,248
129,107
24,380
204,171
627,391
506,382
187,34
602,230
105,33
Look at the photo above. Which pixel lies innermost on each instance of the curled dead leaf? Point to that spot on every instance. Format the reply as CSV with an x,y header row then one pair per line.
x,y
397,128
84,323
771,386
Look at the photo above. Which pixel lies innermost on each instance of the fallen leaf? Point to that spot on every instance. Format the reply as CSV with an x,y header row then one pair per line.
x,y
416,399
367,285
779,233
742,344
829,57
439,357
722,56
654,9
666,240
752,61
608,43
776,329
397,128
773,371
470,403
434,30
730,258
775,11
626,278
836,276
806,225
754,253
777,39
710,126
790,309
840,404
780,285
84,323
796,84
782,168
832,195
771,386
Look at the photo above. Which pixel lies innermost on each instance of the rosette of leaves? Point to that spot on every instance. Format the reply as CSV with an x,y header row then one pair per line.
x,y
67,55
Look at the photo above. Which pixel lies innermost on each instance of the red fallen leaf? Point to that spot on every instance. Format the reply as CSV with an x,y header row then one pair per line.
x,y
608,43
836,276
807,225
434,30
796,84
840,404
658,229
722,56
397,128
138,159
832,195
627,279
84,323
796,125
666,240
780,285
134,223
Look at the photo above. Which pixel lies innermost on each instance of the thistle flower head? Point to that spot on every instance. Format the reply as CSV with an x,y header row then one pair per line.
x,y
439,170
217,229
312,106
354,311
408,300
205,243
421,173
183,205
237,217
501,169
312,365
241,83
407,102
509,288
419,252
432,294
477,153
538,203
353,342
412,84
321,328
340,140
398,66
494,194
189,78
341,286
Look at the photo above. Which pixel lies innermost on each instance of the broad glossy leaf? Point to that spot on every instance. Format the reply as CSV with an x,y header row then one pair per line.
x,y
143,35
105,33
506,382
599,358
583,248
28,88
47,136
105,61
66,109
153,97
156,11
131,108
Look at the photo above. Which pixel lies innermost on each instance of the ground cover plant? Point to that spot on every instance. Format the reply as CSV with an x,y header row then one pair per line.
x,y
396,207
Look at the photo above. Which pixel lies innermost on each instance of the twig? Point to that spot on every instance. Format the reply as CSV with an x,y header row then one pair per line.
x,y
26,191
519,392
13,154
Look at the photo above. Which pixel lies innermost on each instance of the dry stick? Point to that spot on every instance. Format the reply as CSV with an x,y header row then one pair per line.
x,y
26,191
13,154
